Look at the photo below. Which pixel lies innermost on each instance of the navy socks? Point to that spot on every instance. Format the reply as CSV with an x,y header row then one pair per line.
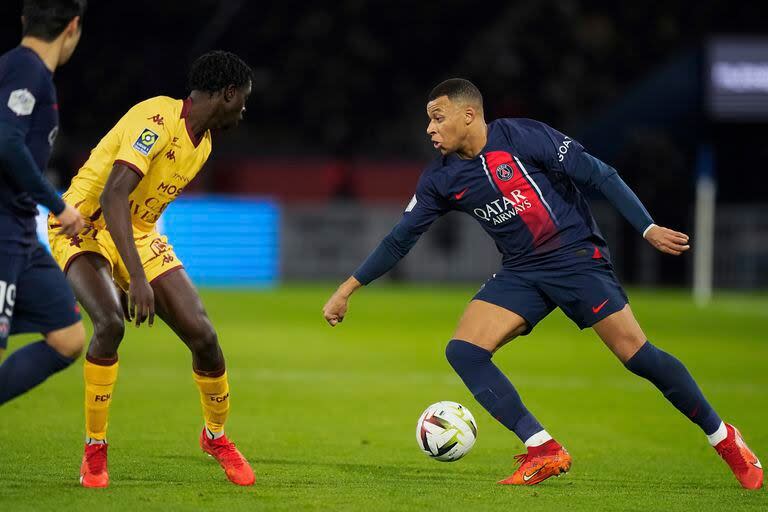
x,y
27,367
672,378
491,388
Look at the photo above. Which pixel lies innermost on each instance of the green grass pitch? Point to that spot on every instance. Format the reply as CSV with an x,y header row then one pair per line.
x,y
327,416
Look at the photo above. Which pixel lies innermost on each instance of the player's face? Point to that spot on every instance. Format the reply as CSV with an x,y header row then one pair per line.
x,y
71,37
233,106
448,124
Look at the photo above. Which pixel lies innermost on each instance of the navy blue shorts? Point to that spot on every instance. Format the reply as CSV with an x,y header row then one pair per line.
x,y
582,284
34,294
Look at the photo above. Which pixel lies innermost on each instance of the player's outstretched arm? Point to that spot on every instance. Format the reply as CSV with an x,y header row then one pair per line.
x,y
591,171
425,207
114,203
390,251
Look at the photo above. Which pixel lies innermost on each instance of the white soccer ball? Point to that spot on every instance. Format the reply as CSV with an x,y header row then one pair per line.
x,y
446,431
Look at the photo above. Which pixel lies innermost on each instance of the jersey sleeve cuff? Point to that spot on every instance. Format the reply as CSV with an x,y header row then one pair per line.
x,y
131,166
646,230
57,206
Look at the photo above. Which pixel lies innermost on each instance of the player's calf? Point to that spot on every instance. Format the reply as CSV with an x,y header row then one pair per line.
x,y
69,341
677,385
31,365
204,345
491,388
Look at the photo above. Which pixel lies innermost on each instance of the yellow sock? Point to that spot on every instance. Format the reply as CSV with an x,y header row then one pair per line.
x,y
214,396
99,383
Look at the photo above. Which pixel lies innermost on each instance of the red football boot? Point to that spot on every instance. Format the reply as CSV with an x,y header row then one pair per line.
x,y
742,461
231,460
93,470
540,463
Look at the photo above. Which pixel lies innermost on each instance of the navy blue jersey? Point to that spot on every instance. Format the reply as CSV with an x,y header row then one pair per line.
x,y
29,113
521,188
518,188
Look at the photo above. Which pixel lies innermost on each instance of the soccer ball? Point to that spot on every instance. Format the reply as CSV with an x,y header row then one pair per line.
x,y
446,431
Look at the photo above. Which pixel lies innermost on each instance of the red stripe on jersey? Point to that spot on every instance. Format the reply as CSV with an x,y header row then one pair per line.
x,y
536,217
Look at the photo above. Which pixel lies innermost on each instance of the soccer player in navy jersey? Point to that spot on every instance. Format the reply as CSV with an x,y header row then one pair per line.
x,y
517,178
34,295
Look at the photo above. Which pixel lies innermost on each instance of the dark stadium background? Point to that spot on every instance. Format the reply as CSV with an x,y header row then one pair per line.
x,y
337,111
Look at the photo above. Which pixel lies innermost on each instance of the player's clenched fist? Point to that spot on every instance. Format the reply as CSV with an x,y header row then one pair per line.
x,y
335,309
667,240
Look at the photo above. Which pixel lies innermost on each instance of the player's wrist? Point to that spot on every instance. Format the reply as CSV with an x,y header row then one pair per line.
x,y
348,287
645,232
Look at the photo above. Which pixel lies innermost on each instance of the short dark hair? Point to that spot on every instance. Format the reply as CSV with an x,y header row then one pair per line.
x,y
47,19
218,69
455,89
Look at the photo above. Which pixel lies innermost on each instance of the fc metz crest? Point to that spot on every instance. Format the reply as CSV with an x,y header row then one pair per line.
x,y
504,172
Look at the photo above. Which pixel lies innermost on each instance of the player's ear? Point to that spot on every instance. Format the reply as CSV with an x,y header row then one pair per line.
x,y
229,93
469,115
73,26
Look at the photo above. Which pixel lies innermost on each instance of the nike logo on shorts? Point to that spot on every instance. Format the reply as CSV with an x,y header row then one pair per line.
x,y
596,309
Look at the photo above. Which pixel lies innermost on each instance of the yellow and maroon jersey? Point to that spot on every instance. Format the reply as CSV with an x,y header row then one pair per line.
x,y
154,139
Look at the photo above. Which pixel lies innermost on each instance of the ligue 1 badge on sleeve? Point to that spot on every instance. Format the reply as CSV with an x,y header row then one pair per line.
x,y
504,172
21,102
146,140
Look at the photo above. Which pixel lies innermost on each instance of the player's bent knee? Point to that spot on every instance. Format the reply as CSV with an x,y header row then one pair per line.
x,y
109,328
460,352
204,340
68,341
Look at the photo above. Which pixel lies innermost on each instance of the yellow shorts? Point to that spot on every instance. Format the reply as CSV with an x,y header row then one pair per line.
x,y
156,254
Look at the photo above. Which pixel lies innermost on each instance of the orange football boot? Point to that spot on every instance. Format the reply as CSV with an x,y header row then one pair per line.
x,y
540,463
231,460
742,461
93,470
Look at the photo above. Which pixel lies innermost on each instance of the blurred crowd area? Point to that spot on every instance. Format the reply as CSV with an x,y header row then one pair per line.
x,y
338,104
350,77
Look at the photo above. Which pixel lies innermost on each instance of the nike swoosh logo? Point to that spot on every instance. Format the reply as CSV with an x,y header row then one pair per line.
x,y
527,477
461,194
596,309
757,464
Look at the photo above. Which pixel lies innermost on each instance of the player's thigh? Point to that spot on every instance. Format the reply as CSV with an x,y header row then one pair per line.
x,y
489,326
506,306
90,275
45,304
621,333
179,304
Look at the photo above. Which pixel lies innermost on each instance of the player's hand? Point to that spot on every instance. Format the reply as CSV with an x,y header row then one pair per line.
x,y
667,240
141,301
71,221
335,309
124,305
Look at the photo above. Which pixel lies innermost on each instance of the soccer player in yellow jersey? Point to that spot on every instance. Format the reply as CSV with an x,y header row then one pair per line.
x,y
133,174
